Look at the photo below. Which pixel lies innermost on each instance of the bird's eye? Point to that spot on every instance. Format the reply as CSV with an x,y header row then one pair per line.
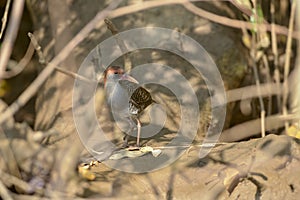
x,y
116,72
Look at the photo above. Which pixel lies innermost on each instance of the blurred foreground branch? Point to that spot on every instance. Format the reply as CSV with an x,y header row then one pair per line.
x,y
4,18
253,127
10,35
19,67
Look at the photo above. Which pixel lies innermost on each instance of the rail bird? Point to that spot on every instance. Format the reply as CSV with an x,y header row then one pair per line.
x,y
127,99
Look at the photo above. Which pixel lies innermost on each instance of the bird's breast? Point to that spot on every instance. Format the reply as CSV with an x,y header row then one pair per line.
x,y
118,99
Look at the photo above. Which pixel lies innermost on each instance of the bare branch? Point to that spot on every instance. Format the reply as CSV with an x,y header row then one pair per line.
x,y
4,193
42,60
12,180
18,68
275,50
237,23
111,26
287,62
4,18
269,80
253,127
249,92
10,35
257,82
253,55
202,13
121,44
38,48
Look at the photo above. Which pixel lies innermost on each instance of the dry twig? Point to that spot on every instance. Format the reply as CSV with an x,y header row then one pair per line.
x,y
121,44
10,35
4,18
257,82
42,60
249,92
38,48
269,80
246,10
287,61
12,180
253,55
253,127
275,51
237,23
9,156
21,65
4,193
202,13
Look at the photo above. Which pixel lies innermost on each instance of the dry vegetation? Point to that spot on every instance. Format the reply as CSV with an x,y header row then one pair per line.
x,y
255,44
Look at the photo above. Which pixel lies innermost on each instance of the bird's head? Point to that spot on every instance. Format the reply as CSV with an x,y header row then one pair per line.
x,y
112,73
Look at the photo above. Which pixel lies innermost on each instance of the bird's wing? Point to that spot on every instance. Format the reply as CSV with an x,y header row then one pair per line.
x,y
141,98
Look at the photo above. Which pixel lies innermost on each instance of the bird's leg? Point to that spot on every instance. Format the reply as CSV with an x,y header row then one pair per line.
x,y
138,132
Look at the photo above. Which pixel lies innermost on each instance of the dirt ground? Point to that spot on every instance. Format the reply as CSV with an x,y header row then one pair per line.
x,y
257,168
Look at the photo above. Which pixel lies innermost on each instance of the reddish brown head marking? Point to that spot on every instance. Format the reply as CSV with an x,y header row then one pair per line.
x,y
112,70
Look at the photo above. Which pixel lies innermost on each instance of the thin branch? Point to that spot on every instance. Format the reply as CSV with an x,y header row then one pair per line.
x,y
275,51
121,44
253,127
113,29
10,156
74,75
237,23
142,6
10,35
253,55
4,193
21,65
242,7
38,48
200,12
12,180
249,92
4,18
269,80
37,83
294,100
42,60
257,82
287,61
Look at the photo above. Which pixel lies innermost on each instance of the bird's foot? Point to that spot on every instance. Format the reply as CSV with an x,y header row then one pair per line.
x,y
124,145
133,148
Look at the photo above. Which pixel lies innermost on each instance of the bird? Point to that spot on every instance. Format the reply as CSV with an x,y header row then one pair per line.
x,y
126,98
